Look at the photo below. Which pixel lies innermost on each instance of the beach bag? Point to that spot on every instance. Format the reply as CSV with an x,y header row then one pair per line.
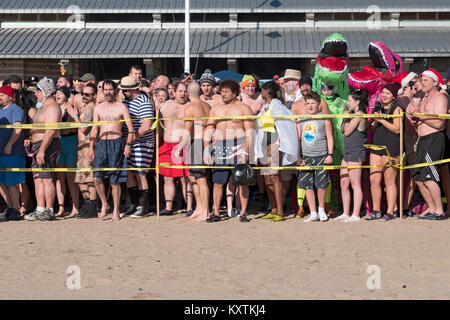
x,y
243,175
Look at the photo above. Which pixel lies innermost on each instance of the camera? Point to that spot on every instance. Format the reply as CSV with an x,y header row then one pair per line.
x,y
377,108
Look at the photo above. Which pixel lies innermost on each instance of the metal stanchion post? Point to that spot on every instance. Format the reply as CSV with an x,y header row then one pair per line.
x,y
401,165
157,164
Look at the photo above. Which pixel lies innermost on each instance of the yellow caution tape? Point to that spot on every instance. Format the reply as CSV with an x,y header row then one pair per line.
x,y
434,115
71,125
426,164
71,169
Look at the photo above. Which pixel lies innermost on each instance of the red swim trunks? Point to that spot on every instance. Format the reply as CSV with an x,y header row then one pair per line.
x,y
166,155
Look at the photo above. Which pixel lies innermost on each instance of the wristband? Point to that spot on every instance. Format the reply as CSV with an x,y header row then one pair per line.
x,y
128,144
330,154
75,117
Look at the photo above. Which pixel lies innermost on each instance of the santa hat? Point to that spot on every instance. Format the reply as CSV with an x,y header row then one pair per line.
x,y
436,76
404,79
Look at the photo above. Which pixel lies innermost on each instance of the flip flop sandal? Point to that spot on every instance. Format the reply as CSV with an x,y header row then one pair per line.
x,y
387,217
213,218
370,216
243,218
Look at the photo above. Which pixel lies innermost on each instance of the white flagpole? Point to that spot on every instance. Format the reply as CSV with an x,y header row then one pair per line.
x,y
187,21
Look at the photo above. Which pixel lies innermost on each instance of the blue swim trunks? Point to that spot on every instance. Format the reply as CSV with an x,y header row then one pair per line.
x,y
12,178
69,150
109,154
308,179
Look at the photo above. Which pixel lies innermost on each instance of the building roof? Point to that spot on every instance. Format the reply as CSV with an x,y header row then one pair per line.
x,y
215,43
218,6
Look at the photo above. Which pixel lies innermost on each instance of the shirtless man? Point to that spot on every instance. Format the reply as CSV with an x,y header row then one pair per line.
x,y
85,180
208,83
161,81
110,151
62,82
193,135
291,86
231,142
431,145
46,149
249,96
173,130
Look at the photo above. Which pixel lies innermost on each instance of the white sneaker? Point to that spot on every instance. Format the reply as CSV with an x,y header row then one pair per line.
x,y
342,217
323,216
353,219
312,218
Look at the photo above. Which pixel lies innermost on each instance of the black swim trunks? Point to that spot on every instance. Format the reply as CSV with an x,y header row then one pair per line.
x,y
51,157
430,148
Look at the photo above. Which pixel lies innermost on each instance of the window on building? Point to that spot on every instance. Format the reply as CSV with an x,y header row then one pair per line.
x,y
28,17
408,16
209,17
9,17
444,15
346,16
271,17
113,17
323,16
172,17
427,16
360,16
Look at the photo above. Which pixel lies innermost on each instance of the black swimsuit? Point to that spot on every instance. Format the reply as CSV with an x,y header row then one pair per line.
x,y
384,137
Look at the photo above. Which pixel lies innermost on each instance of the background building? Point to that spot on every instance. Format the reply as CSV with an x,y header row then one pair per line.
x,y
260,36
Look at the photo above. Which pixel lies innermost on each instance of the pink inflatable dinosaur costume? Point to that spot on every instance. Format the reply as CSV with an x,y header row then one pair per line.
x,y
387,66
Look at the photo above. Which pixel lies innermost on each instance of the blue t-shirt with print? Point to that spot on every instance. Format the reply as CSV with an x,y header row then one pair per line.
x,y
9,115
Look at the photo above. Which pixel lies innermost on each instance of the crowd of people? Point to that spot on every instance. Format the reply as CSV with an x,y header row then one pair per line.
x,y
219,131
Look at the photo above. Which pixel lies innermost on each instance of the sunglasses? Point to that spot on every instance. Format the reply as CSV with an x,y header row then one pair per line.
x,y
87,94
327,87
411,84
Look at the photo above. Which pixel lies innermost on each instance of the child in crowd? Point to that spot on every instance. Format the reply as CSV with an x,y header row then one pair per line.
x,y
355,135
316,149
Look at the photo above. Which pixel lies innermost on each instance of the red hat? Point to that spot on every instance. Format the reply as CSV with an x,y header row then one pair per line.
x,y
7,90
404,79
436,76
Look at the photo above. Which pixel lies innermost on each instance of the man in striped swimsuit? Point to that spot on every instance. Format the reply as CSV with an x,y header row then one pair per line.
x,y
142,148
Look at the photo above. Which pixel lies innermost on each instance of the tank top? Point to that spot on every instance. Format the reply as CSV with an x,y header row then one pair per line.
x,y
314,139
354,142
383,136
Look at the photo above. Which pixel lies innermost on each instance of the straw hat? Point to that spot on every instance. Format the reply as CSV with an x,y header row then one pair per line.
x,y
291,74
128,83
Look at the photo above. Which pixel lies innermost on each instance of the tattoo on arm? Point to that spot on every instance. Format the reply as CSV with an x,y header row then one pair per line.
x,y
88,115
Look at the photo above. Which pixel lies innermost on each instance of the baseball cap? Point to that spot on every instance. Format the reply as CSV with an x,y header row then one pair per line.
x,y
87,77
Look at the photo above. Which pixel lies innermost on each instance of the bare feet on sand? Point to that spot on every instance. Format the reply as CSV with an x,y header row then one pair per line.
x,y
103,212
60,212
72,214
115,217
199,217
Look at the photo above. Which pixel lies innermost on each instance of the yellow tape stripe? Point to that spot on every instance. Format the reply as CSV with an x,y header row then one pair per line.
x,y
71,125
166,165
436,115
426,164
72,169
